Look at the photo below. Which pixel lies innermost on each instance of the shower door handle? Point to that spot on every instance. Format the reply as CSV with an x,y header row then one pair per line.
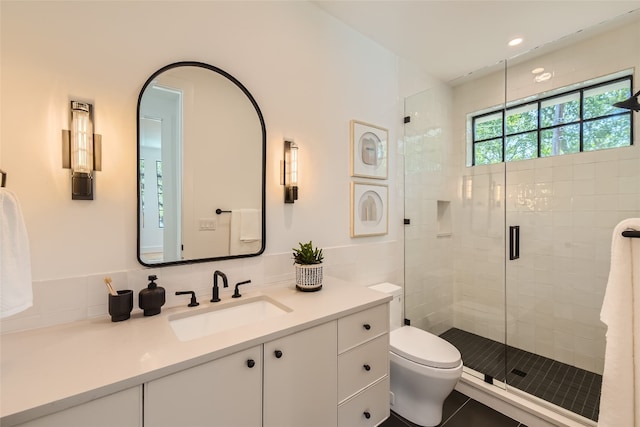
x,y
514,242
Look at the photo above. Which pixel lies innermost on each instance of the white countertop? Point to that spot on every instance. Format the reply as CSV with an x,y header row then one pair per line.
x,y
46,370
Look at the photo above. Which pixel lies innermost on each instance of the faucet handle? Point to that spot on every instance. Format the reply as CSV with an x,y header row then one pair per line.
x,y
194,302
236,292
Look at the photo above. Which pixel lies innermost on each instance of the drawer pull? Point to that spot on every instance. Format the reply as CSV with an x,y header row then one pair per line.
x,y
366,326
366,367
278,354
251,363
367,414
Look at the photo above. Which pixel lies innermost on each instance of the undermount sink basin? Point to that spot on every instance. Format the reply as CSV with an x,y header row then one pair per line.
x,y
199,323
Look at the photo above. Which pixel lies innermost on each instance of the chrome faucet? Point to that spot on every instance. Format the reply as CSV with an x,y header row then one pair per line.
x,y
225,283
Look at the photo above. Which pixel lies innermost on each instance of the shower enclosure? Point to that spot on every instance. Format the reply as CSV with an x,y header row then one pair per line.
x,y
513,185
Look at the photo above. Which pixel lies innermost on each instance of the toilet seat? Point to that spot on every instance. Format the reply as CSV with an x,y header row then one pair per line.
x,y
424,348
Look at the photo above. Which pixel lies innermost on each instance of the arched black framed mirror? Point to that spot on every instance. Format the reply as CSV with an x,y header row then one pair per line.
x,y
201,167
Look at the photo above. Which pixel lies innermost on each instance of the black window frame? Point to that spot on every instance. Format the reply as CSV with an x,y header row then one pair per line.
x,y
539,129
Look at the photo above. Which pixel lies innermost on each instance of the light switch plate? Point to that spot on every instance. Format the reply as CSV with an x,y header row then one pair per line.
x,y
208,224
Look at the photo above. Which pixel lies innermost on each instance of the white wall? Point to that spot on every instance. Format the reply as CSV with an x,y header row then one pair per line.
x,y
310,75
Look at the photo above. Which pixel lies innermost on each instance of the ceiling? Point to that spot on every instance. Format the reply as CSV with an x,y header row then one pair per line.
x,y
450,39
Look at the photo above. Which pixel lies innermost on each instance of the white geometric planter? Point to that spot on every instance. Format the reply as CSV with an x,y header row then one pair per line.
x,y
309,277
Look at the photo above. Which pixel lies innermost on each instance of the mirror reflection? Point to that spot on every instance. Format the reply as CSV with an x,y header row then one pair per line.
x,y
201,167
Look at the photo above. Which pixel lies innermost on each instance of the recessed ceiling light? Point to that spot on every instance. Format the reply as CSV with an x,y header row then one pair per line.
x,y
515,42
537,70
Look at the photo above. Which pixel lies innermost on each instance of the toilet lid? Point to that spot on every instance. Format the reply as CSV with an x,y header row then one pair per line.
x,y
424,348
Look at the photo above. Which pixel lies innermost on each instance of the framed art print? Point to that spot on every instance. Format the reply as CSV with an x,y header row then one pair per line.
x,y
369,209
368,150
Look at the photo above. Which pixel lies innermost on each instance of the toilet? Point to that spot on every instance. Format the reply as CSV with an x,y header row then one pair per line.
x,y
424,367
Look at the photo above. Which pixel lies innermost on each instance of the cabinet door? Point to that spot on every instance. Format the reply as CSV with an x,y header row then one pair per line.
x,y
300,379
225,392
122,409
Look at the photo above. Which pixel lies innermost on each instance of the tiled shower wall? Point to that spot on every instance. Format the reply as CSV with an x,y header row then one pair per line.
x,y
479,253
567,208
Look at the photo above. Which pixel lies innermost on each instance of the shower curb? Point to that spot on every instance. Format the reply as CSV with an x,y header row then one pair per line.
x,y
525,410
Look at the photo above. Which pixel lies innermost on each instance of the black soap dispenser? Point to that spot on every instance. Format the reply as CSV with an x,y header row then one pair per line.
x,y
150,300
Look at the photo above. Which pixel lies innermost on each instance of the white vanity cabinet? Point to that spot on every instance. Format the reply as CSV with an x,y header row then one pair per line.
x,y
300,378
333,374
324,364
296,378
224,392
122,409
363,368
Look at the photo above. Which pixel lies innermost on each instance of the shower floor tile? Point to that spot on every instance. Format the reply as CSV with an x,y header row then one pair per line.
x,y
564,385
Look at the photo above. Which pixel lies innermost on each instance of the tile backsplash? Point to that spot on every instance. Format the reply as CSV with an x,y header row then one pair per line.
x,y
73,299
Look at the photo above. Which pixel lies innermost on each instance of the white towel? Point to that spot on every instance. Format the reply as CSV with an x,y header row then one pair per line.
x,y
16,288
250,225
620,400
245,234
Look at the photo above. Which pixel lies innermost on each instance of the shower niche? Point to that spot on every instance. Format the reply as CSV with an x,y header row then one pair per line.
x,y
445,224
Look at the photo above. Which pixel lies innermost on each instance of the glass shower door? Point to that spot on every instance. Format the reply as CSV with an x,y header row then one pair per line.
x,y
454,232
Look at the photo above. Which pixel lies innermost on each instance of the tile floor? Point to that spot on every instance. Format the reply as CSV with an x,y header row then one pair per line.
x,y
461,411
564,385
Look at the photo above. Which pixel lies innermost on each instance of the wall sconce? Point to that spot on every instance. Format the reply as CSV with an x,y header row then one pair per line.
x,y
81,151
289,176
630,104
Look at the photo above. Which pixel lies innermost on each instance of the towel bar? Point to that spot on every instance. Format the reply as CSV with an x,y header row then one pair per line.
x,y
631,233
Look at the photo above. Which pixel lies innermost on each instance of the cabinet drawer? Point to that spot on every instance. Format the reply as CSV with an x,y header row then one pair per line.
x,y
373,402
362,326
362,366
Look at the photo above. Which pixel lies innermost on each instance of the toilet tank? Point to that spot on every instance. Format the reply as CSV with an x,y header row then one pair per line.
x,y
395,305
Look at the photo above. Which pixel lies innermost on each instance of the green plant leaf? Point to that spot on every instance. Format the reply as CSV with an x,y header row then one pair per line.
x,y
306,254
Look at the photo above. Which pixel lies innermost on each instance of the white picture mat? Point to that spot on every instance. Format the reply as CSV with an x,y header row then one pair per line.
x,y
369,150
369,209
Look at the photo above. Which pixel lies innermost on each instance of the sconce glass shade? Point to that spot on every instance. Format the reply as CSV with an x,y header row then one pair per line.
x,y
290,172
81,151
630,103
81,138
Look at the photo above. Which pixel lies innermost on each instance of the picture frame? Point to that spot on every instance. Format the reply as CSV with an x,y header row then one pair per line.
x,y
369,209
369,150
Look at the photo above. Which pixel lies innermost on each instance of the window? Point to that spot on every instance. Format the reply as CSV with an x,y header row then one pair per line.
x,y
160,194
142,191
570,122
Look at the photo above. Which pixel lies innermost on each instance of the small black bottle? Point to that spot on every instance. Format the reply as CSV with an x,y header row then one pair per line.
x,y
150,300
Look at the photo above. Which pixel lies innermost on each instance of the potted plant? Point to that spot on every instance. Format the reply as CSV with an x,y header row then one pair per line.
x,y
308,262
